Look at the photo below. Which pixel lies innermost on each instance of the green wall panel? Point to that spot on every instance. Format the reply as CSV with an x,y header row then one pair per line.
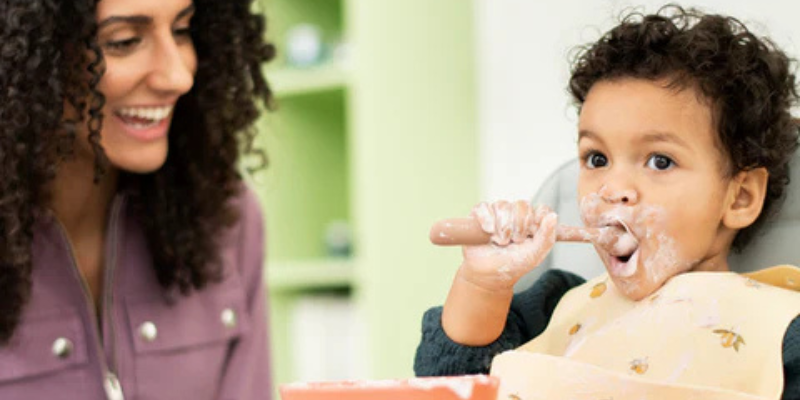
x,y
305,185
414,161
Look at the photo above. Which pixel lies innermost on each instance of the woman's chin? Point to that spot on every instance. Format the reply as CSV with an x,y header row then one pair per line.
x,y
141,164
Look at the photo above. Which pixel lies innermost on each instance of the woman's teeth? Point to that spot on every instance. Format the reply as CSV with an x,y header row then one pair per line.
x,y
144,117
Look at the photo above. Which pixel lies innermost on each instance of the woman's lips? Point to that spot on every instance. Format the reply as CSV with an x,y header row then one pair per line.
x,y
144,132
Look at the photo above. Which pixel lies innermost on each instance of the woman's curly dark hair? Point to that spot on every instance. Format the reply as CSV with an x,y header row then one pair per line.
x,y
47,50
747,81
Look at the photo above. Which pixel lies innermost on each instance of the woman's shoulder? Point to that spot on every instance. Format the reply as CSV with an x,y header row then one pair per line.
x,y
244,241
247,205
250,219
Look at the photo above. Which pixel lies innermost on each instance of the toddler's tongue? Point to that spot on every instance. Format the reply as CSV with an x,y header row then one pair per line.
x,y
626,244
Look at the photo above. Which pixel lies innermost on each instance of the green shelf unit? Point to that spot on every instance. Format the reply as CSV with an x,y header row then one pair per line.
x,y
288,282
314,275
290,82
306,185
388,144
282,15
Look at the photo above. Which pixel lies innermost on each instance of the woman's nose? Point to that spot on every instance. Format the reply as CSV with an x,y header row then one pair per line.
x,y
173,68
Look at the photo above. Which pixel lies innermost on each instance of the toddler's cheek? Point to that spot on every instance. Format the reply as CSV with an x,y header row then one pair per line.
x,y
590,209
659,256
662,259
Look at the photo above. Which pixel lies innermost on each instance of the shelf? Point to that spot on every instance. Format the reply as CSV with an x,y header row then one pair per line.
x,y
298,81
310,275
349,144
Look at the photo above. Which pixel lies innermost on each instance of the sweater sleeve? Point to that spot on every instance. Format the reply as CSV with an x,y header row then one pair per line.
x,y
529,315
247,375
791,362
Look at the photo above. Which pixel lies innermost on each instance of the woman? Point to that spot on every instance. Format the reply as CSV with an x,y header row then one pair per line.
x,y
130,250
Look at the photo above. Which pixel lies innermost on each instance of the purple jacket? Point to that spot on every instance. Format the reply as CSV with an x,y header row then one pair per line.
x,y
211,345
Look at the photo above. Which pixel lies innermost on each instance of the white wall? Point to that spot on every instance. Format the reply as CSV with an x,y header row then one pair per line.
x,y
527,121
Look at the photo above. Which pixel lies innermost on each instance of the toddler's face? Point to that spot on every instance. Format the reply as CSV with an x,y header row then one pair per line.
x,y
651,161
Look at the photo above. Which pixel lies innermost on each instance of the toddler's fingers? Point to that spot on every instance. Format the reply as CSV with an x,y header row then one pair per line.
x,y
485,216
522,211
530,222
539,213
543,240
503,223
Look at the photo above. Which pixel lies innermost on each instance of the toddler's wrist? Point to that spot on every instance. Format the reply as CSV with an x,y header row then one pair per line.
x,y
499,280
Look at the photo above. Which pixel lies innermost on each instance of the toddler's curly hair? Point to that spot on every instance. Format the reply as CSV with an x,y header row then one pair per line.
x,y
748,82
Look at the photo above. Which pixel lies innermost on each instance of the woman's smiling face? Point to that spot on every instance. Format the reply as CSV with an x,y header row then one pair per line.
x,y
150,62
651,161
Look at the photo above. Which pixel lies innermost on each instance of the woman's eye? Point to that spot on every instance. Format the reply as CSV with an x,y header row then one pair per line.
x,y
123,44
183,31
596,160
660,163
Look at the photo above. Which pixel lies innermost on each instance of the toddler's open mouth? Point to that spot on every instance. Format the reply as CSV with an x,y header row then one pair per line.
x,y
624,253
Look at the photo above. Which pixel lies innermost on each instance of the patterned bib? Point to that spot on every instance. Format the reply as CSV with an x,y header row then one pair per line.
x,y
709,335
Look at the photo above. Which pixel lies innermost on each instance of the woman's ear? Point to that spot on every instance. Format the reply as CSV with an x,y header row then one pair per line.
x,y
745,198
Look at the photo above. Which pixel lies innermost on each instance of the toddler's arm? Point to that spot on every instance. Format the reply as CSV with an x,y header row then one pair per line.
x,y
530,312
791,361
479,299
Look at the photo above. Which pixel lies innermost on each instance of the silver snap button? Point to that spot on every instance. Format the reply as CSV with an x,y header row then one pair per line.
x,y
228,318
62,348
148,331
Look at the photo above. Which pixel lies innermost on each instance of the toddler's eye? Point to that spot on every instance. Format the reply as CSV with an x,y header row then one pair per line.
x,y
660,163
595,160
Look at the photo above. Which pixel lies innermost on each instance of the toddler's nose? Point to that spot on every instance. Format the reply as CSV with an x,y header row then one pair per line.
x,y
623,196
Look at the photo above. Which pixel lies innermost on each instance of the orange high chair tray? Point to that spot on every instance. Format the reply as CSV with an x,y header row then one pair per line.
x,y
466,387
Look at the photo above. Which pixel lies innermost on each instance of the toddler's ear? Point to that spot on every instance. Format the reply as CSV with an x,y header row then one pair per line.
x,y
745,198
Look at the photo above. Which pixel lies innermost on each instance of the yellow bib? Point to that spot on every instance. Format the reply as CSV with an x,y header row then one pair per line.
x,y
710,335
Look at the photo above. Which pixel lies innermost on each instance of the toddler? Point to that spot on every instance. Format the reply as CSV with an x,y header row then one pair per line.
x,y
684,140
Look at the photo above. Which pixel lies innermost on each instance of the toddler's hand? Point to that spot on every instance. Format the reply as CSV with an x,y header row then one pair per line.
x,y
522,236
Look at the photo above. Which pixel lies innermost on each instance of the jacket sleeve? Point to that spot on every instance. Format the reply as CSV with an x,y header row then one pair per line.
x,y
247,375
791,362
529,315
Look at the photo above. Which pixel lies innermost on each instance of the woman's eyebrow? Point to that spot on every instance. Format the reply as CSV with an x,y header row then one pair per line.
x,y
140,19
186,11
129,19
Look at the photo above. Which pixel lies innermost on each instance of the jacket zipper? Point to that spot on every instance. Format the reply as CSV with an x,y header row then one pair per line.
x,y
113,387
111,382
